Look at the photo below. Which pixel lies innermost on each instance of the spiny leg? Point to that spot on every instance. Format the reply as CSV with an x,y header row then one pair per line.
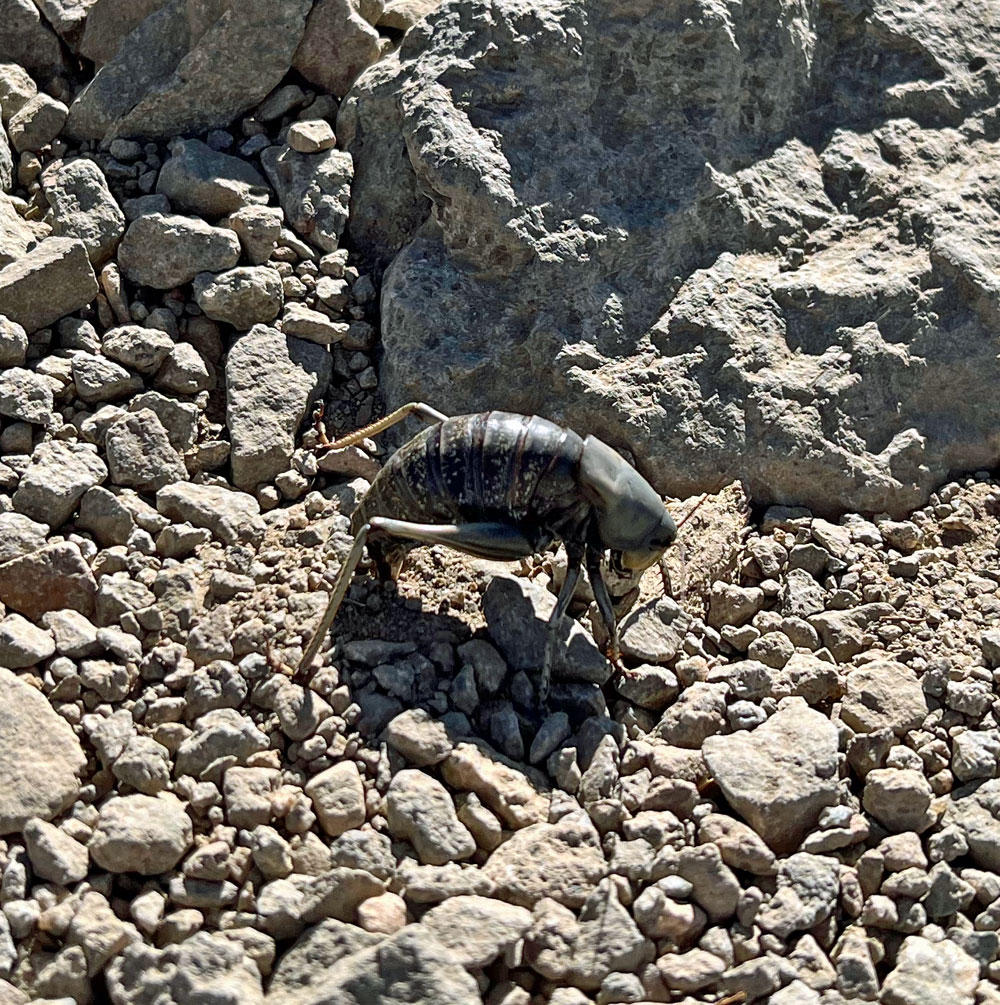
x,y
604,605
574,558
337,595
411,408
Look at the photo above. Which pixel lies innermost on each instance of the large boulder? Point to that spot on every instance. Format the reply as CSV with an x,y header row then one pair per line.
x,y
187,67
683,248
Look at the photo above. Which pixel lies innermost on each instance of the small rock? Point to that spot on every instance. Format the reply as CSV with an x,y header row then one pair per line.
x,y
140,454
200,180
927,972
36,123
82,207
144,834
141,349
55,856
420,810
53,578
240,297
883,694
310,136
338,798
22,644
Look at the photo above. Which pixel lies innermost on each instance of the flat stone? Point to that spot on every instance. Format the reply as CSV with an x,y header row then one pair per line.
x,y
22,644
230,516
200,180
50,579
166,250
143,834
477,929
20,535
55,856
52,280
654,631
13,338
272,381
313,326
140,454
337,45
420,738
40,756
781,775
338,798
141,349
98,379
36,123
26,396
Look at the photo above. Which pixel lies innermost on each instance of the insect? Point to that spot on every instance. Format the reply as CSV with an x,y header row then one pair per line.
x,y
504,486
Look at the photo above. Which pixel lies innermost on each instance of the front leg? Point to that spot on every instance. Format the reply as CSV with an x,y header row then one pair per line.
x,y
574,558
604,605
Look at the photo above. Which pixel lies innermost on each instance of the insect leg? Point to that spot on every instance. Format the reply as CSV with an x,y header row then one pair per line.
x,y
574,557
498,541
425,412
604,604
336,599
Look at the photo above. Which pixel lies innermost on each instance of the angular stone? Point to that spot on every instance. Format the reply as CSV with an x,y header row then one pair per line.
x,y
314,326
185,371
50,281
140,454
55,856
56,479
781,775
562,860
20,535
517,614
337,45
36,123
258,229
477,929
22,644
13,338
420,810
240,297
142,349
144,834
927,973
272,381
40,756
110,21
98,379
420,738
165,250
883,694
202,181
26,396
654,631
899,798
338,798
26,40
314,191
230,516
205,967
181,73
82,207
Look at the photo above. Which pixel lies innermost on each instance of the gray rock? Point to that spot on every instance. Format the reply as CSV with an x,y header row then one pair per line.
x,y
98,379
337,45
140,833
26,396
141,349
56,479
55,856
781,775
338,798
562,860
477,929
929,972
883,694
409,967
420,810
17,235
654,631
36,123
722,239
40,756
22,644
420,738
52,280
140,454
240,297
583,952
6,164
975,754
272,381
314,326
82,207
808,887
258,229
27,40
105,516
20,535
314,953
185,371
217,735
990,644
975,810
205,967
53,578
165,250
176,73
179,418
899,798
314,191
110,21
200,180
13,341
517,614
310,136
230,516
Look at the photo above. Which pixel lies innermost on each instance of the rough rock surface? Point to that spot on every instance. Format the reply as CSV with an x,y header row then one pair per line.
x,y
819,191
40,757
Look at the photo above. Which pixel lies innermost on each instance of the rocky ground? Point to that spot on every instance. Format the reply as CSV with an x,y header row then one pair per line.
x,y
791,796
